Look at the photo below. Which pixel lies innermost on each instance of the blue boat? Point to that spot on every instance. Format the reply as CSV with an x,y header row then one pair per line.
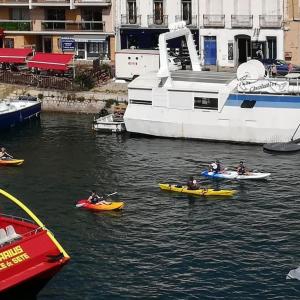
x,y
17,111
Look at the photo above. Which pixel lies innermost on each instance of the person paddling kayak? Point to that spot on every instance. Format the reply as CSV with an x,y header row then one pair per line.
x,y
94,198
4,155
241,169
215,167
192,184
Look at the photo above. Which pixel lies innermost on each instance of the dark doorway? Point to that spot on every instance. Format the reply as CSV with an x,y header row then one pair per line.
x,y
243,48
48,44
272,47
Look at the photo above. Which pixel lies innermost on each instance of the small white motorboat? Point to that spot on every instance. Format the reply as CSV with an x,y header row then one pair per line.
x,y
110,123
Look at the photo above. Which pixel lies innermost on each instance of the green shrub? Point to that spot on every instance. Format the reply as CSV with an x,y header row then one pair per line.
x,y
40,96
109,103
106,67
81,98
85,80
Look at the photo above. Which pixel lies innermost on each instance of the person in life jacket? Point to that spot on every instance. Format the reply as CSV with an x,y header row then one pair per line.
x,y
192,184
4,154
241,169
94,198
215,166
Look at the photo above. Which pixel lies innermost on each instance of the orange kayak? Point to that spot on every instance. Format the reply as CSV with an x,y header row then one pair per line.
x,y
11,162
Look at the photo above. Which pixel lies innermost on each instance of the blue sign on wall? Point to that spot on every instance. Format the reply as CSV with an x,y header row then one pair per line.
x,y
67,45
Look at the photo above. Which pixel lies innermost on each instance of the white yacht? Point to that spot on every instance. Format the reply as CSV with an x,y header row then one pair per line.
x,y
243,107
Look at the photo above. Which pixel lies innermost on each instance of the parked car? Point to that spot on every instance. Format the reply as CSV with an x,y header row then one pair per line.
x,y
282,66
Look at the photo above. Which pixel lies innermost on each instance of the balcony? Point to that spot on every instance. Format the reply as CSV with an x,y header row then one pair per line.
x,y
50,2
191,22
14,2
16,25
216,21
71,3
154,21
92,2
56,25
270,21
133,21
241,21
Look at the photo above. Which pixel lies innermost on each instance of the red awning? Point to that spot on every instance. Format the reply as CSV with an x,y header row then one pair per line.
x,y
14,55
50,61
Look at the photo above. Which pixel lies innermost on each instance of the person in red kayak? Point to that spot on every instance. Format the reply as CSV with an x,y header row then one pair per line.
x,y
4,155
94,198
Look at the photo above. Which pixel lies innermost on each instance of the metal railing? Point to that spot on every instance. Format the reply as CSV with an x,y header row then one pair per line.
x,y
40,81
50,25
76,2
214,21
16,25
241,21
190,22
13,1
100,2
50,1
134,20
270,21
158,21
17,218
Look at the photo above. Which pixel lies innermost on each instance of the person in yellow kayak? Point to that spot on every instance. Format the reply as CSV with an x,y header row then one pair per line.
x,y
192,184
94,198
4,155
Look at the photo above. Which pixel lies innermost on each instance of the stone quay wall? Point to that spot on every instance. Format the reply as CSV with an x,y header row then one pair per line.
x,y
77,102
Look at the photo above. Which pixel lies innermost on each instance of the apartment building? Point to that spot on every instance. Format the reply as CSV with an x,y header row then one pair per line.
x,y
46,24
292,31
139,22
233,31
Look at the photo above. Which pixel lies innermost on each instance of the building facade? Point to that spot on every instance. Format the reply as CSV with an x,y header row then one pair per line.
x,y
292,31
46,25
139,22
231,31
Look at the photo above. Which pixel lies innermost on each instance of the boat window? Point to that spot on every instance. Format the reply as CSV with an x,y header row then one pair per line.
x,y
143,102
207,103
248,104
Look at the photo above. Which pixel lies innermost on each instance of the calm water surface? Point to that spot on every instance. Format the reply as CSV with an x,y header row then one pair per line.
x,y
163,245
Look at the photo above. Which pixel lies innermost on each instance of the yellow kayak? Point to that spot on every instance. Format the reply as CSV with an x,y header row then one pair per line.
x,y
200,192
11,162
100,207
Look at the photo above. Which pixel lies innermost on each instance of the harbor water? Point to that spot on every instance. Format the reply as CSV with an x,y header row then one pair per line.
x,y
162,245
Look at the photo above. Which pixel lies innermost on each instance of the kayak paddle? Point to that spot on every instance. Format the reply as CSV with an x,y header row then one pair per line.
x,y
83,204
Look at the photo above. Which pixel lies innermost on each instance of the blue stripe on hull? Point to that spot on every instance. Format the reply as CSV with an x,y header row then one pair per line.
x,y
274,101
12,118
